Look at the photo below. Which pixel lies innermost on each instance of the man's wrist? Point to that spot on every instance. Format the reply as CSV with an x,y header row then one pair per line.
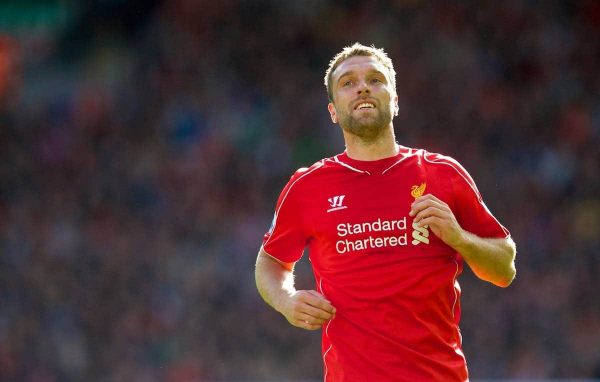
x,y
283,299
463,243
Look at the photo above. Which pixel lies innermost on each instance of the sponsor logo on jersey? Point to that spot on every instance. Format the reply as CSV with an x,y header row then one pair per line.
x,y
348,232
419,234
336,203
378,233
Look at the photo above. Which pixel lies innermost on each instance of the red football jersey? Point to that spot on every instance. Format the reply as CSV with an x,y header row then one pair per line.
x,y
394,286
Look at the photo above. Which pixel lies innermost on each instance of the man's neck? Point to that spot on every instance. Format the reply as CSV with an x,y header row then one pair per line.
x,y
384,146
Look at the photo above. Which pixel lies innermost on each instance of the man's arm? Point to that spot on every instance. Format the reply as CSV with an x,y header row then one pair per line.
x,y
307,309
491,259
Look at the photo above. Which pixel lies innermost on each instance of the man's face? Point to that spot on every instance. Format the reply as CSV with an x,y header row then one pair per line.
x,y
363,97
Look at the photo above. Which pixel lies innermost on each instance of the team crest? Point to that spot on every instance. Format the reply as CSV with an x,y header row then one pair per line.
x,y
417,191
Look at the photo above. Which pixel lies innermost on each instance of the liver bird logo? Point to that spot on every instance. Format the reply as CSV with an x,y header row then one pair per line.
x,y
417,191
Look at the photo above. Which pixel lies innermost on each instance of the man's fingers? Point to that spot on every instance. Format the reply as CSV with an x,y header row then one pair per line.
x,y
431,221
429,212
424,202
316,294
319,301
307,318
308,326
306,321
428,197
310,310
428,201
317,312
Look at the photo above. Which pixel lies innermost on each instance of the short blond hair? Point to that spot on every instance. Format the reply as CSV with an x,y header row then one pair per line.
x,y
358,49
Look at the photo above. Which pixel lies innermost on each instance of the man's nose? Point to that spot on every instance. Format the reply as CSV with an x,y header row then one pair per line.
x,y
363,87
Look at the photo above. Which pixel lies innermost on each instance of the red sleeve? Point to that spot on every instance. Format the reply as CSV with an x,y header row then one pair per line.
x,y
470,210
286,240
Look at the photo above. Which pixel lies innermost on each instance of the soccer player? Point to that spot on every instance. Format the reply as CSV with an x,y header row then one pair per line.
x,y
388,229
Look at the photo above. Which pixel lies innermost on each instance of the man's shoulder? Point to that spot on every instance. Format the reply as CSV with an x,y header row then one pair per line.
x,y
304,174
445,166
320,167
437,160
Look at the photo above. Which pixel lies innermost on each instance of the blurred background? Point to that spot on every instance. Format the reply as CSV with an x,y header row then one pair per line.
x,y
143,145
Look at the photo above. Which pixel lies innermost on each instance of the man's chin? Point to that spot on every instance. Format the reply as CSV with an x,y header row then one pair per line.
x,y
366,131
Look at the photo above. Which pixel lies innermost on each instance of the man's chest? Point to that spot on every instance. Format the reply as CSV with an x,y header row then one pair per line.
x,y
362,214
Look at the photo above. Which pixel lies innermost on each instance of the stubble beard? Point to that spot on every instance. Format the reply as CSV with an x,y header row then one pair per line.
x,y
367,128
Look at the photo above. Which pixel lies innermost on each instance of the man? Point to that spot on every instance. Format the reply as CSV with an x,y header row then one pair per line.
x,y
388,229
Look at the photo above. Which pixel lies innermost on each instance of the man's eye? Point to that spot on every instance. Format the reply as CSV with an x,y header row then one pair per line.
x,y
347,83
376,80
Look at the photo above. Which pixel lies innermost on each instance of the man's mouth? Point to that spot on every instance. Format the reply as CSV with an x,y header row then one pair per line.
x,y
365,105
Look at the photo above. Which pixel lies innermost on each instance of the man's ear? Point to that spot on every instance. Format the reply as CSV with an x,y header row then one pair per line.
x,y
332,112
396,107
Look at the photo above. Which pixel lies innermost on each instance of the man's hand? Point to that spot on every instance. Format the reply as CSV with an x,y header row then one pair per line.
x,y
307,309
428,210
492,259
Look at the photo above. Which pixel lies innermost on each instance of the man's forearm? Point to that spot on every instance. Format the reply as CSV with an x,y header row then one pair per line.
x,y
274,280
306,309
491,259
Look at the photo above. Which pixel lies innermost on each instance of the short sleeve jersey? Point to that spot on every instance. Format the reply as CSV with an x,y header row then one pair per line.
x,y
394,284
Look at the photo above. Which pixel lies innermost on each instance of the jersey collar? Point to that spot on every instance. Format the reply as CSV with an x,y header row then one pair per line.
x,y
380,166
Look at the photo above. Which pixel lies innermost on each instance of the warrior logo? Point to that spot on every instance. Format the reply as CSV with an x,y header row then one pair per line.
x,y
336,203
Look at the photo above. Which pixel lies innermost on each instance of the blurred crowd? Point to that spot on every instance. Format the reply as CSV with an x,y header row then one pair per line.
x,y
143,146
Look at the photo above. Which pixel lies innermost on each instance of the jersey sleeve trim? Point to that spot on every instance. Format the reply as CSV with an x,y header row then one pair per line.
x,y
271,256
292,184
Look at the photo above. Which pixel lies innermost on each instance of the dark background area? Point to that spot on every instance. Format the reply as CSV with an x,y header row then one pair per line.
x,y
143,145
